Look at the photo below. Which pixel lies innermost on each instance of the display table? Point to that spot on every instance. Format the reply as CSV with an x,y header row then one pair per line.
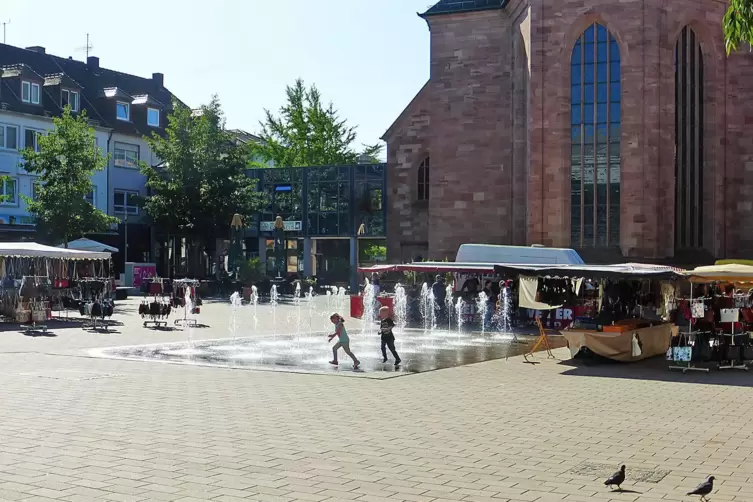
x,y
619,346
356,305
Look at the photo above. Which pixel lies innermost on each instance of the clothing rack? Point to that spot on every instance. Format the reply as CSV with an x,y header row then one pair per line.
x,y
188,283
157,311
689,366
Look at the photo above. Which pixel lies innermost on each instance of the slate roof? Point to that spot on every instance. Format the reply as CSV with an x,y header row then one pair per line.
x,y
92,81
457,6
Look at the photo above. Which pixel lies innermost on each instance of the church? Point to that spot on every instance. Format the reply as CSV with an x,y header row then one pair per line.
x,y
619,128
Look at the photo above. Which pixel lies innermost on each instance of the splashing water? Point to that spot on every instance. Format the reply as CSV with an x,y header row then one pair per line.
x,y
505,323
255,303
482,306
297,305
273,298
370,306
427,308
401,308
459,305
187,325
235,302
342,300
448,305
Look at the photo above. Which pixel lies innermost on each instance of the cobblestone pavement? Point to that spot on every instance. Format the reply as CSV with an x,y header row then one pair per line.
x,y
78,428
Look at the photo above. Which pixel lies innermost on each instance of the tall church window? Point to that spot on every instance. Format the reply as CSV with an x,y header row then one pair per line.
x,y
688,141
595,139
423,180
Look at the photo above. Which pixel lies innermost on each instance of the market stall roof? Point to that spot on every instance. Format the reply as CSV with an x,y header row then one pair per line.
x,y
617,271
439,267
732,272
84,244
35,250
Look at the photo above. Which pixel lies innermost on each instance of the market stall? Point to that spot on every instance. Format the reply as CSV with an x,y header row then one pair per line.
x,y
620,308
37,279
716,318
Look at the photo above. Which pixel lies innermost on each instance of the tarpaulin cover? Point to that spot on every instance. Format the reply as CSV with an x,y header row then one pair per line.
x,y
619,346
34,250
618,271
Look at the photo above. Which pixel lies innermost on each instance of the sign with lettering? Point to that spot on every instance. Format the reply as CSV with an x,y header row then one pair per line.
x,y
288,226
141,272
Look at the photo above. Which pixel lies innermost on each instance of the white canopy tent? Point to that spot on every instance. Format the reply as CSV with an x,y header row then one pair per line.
x,y
35,250
84,244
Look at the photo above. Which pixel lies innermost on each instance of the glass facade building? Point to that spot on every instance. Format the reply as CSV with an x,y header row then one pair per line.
x,y
325,210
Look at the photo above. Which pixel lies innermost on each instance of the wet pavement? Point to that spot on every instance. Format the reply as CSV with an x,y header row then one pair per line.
x,y
420,351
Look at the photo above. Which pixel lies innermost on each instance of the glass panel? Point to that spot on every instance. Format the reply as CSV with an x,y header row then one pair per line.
x,y
11,138
575,59
601,33
588,73
601,113
601,52
601,93
328,224
589,34
588,93
575,114
614,112
575,94
601,73
614,72
10,191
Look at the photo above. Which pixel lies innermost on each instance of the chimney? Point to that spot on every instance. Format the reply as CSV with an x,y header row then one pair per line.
x,y
158,79
92,62
36,48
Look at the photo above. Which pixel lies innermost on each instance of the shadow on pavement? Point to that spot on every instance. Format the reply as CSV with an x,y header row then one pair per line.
x,y
657,369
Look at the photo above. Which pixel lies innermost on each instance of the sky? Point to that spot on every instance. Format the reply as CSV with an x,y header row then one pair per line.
x,y
368,57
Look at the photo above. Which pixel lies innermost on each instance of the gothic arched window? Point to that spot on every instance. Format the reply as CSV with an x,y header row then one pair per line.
x,y
595,139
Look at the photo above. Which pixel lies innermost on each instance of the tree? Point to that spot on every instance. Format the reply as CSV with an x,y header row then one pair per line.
x,y
306,133
202,179
738,24
67,159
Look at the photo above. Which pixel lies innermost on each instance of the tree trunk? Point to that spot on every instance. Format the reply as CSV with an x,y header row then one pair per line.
x,y
66,241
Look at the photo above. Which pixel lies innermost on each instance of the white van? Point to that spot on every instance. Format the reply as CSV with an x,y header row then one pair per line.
x,y
533,255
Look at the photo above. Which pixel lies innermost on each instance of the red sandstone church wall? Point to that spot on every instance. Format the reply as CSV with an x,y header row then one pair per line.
x,y
471,141
647,31
495,118
407,145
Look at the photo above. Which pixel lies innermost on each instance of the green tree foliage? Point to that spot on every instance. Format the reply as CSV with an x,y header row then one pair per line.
x,y
67,158
738,24
308,133
202,179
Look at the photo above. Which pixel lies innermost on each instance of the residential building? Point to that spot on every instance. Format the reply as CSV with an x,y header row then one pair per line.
x,y
616,127
122,108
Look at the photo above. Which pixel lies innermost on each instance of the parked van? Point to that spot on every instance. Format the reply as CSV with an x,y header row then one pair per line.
x,y
533,255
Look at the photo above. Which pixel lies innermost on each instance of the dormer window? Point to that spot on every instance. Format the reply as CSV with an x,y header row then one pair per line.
x,y
152,117
30,92
123,111
69,98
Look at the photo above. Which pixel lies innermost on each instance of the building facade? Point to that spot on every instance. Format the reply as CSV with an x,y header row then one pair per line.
x,y
616,127
330,213
122,108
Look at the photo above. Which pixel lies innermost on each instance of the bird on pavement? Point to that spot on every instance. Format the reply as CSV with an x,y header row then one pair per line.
x,y
704,488
616,479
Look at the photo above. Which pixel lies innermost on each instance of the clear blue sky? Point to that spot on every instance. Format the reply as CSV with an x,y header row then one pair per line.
x,y
369,57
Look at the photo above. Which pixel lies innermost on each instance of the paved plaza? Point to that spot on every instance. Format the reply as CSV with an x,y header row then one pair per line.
x,y
75,427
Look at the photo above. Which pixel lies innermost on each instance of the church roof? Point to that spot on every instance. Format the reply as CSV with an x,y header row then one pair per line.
x,y
457,6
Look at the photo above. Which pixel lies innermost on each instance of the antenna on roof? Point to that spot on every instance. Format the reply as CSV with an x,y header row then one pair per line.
x,y
5,23
88,47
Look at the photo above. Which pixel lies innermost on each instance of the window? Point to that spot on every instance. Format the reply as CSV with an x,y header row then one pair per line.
x,y
31,139
124,202
423,180
70,98
689,151
9,137
35,185
595,139
9,194
91,197
126,155
152,117
123,111
30,92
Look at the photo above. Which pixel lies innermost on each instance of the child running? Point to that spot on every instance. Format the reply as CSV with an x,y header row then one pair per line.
x,y
388,337
342,341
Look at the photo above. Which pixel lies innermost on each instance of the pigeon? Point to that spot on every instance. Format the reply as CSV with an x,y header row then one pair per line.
x,y
704,488
616,479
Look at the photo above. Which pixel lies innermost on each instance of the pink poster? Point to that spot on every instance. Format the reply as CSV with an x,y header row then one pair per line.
x,y
141,272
